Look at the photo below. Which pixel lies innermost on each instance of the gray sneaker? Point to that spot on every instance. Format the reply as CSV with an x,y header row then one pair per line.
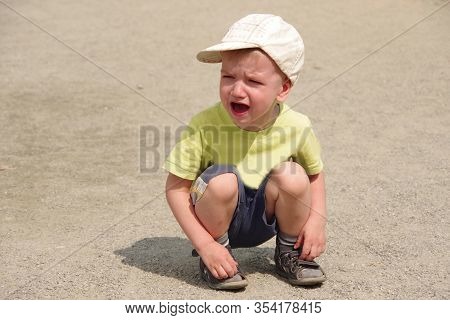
x,y
296,271
238,281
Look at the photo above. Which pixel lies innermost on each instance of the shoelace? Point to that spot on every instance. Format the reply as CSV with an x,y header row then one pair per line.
x,y
293,257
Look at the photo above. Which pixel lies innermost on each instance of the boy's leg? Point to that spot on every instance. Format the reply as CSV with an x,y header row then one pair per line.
x,y
215,206
288,197
215,209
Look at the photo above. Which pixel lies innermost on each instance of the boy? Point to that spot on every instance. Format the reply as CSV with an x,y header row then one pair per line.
x,y
249,167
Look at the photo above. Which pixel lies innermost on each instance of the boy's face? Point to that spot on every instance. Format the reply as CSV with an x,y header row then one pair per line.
x,y
250,85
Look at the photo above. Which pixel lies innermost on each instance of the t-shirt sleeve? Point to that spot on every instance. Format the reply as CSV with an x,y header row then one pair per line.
x,y
309,152
184,160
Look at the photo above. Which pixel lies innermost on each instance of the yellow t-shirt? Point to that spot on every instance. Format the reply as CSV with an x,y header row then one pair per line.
x,y
212,138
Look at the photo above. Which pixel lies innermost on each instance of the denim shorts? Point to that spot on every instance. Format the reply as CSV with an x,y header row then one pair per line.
x,y
249,226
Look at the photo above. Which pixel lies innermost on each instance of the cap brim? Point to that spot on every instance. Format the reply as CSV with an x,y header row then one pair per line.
x,y
212,54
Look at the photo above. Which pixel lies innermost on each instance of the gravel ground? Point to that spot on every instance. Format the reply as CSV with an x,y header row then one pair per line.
x,y
91,96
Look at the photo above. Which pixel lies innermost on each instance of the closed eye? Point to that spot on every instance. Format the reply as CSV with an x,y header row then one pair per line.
x,y
255,81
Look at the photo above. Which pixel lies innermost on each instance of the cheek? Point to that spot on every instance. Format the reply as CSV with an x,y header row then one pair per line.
x,y
260,97
224,88
223,93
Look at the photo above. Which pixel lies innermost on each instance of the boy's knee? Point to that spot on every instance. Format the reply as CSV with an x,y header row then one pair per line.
x,y
290,177
223,187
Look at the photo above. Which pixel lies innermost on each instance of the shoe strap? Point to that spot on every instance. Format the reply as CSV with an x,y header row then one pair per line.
x,y
293,255
305,263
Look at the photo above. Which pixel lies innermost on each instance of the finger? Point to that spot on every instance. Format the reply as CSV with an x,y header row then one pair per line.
x,y
305,251
230,270
214,273
314,253
298,243
231,273
222,273
233,267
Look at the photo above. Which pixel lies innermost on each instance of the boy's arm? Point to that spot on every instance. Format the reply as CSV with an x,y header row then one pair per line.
x,y
313,237
215,256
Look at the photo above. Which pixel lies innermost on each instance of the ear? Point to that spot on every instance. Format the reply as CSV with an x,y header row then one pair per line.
x,y
285,89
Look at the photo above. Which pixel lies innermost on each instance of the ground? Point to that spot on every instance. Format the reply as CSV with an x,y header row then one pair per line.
x,y
92,94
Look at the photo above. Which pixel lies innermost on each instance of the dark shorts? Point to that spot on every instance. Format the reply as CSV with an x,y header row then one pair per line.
x,y
249,226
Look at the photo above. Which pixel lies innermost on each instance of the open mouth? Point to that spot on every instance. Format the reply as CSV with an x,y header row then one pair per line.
x,y
239,108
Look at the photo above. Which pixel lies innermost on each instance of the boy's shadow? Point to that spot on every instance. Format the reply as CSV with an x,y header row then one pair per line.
x,y
171,257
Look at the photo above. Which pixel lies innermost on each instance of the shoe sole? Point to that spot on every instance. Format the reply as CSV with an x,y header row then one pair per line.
x,y
232,285
303,282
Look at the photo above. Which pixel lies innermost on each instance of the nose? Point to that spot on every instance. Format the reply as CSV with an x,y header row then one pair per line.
x,y
238,90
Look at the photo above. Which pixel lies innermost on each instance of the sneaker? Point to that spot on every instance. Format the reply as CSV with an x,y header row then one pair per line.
x,y
238,281
296,271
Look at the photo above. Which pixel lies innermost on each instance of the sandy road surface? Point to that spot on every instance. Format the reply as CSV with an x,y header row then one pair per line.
x,y
80,219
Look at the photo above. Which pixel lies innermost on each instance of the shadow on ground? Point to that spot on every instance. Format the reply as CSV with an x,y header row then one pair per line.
x,y
171,257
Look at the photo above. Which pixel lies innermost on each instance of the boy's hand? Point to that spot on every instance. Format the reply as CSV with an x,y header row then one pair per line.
x,y
218,260
312,238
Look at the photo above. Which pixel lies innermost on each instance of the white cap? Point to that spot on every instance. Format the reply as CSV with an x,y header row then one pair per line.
x,y
270,33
